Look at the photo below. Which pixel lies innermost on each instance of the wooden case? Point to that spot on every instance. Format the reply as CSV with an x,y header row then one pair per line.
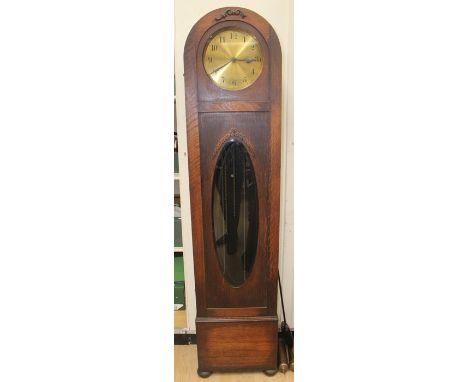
x,y
236,326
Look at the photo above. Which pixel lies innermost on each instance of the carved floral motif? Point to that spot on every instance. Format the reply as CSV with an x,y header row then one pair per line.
x,y
233,133
231,12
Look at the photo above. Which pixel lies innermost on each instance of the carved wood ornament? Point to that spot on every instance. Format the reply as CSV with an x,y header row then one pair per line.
x,y
230,12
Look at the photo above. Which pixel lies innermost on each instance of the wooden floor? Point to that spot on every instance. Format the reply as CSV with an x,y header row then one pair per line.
x,y
185,370
180,319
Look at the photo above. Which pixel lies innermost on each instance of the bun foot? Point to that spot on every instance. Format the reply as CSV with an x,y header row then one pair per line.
x,y
204,374
270,372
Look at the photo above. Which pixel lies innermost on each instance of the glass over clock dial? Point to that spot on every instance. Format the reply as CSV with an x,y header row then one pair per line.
x,y
233,59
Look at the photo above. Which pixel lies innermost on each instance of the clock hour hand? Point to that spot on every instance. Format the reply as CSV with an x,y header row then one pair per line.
x,y
248,60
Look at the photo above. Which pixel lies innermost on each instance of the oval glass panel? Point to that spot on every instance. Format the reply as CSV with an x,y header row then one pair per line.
x,y
235,212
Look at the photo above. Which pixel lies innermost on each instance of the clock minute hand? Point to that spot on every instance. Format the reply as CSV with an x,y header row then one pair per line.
x,y
222,66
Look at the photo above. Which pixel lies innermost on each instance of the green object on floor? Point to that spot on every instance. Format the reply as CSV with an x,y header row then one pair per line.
x,y
179,283
177,232
179,293
178,268
176,162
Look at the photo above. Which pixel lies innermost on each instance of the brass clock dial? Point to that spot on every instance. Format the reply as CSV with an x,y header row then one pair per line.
x,y
233,59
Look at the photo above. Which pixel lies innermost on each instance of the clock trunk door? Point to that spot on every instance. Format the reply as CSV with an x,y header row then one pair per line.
x,y
235,194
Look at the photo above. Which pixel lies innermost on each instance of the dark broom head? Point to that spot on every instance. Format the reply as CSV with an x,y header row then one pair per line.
x,y
286,334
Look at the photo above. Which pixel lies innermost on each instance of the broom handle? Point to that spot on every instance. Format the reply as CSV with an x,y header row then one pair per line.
x,y
281,294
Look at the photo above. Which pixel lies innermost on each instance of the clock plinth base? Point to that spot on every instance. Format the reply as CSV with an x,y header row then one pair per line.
x,y
237,344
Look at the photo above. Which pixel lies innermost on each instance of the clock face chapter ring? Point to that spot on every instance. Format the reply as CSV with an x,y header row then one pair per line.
x,y
233,59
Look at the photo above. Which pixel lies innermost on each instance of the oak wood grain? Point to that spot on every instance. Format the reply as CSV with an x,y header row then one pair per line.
x,y
237,345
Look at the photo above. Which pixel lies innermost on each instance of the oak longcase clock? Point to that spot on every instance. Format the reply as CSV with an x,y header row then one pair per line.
x,y
232,64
